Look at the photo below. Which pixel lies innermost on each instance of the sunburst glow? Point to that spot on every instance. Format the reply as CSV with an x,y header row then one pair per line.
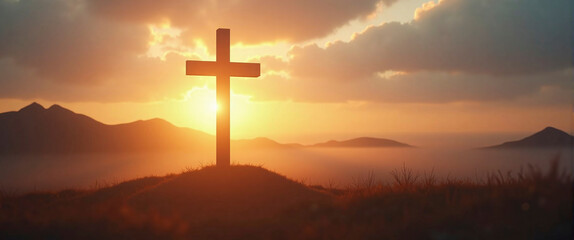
x,y
214,107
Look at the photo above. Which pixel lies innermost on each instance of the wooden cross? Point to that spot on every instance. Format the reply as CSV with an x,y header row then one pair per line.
x,y
222,69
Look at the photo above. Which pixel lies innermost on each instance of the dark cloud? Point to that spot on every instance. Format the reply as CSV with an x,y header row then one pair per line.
x,y
493,37
143,79
253,21
95,50
57,50
456,50
480,50
60,42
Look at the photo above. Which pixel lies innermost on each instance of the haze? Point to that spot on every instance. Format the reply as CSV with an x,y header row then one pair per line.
x,y
446,76
388,68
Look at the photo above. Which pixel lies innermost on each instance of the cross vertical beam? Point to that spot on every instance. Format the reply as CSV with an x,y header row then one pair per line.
x,y
222,130
222,69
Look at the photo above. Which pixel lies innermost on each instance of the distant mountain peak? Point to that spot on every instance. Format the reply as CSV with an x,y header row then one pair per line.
x,y
158,122
37,108
33,107
59,109
548,137
551,130
56,106
363,142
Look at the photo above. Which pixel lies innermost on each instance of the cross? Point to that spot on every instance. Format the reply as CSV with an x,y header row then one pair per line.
x,y
222,69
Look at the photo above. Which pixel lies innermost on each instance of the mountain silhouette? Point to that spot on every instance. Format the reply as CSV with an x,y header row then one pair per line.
x,y
362,142
549,137
57,130
35,129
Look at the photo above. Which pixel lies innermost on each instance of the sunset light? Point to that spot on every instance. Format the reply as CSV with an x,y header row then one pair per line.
x,y
298,119
214,107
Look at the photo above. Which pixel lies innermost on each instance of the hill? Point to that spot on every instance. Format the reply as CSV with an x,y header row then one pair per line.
x,y
207,203
362,142
230,193
246,202
549,137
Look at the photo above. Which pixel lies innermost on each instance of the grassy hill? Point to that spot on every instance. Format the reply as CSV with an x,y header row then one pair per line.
x,y
248,202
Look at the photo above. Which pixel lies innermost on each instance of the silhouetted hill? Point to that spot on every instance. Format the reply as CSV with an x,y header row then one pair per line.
x,y
34,129
362,142
230,193
547,138
246,202
211,192
197,204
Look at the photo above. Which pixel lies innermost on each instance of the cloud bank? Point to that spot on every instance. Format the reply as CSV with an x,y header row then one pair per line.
x,y
454,50
253,21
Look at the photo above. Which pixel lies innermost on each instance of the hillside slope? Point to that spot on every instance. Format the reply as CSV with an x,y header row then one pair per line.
x,y
246,202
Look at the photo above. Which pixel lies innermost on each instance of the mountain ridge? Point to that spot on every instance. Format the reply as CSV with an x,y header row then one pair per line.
x,y
38,130
57,130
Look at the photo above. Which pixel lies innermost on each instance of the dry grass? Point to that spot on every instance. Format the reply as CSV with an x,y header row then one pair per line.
x,y
529,204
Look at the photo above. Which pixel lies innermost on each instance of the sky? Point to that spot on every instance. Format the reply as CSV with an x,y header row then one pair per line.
x,y
329,68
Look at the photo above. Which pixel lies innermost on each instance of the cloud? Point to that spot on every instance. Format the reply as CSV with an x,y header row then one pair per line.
x,y
143,79
84,50
419,87
271,63
56,50
60,42
503,37
253,21
455,50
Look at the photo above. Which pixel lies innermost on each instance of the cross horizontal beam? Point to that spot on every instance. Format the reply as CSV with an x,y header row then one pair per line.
x,y
232,69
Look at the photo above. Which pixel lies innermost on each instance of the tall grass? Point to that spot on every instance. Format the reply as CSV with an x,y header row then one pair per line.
x,y
406,179
527,204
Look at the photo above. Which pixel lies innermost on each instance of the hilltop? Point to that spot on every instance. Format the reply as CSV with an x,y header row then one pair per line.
x,y
210,198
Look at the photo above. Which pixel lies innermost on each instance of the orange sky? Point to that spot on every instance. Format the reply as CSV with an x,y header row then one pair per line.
x,y
330,69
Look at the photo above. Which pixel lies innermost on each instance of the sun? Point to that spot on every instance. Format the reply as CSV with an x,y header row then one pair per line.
x,y
214,107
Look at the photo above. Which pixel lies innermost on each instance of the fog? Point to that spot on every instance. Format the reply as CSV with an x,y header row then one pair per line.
x,y
324,166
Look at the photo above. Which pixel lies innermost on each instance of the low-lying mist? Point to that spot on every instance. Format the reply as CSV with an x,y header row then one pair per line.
x,y
335,167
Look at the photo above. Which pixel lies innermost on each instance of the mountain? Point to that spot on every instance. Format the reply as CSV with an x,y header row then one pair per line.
x,y
35,130
57,130
549,137
362,142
